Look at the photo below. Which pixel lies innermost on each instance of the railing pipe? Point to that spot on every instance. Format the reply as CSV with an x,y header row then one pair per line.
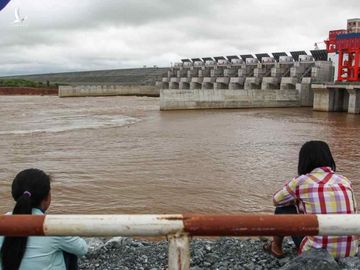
x,y
194,225
178,228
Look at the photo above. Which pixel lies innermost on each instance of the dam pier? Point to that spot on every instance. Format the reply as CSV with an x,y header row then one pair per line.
x,y
337,98
234,82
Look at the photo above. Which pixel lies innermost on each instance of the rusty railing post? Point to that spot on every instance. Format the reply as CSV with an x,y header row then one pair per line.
x,y
179,252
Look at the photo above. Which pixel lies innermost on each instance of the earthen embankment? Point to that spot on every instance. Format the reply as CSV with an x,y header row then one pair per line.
x,y
12,91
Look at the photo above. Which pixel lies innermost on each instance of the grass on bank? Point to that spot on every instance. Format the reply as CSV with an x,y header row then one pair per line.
x,y
26,83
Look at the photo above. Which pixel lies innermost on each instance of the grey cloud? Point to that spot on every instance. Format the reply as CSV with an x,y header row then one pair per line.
x,y
86,14
96,34
138,12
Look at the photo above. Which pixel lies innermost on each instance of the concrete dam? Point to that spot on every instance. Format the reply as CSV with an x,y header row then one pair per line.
x,y
280,80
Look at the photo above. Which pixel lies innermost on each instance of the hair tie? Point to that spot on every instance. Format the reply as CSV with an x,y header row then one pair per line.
x,y
27,193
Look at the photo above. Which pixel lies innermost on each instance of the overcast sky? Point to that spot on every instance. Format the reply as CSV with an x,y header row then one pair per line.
x,y
72,35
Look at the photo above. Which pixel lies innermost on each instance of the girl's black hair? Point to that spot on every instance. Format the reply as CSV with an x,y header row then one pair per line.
x,y
315,154
29,188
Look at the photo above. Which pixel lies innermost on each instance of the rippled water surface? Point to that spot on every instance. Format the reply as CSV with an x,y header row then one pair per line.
x,y
122,155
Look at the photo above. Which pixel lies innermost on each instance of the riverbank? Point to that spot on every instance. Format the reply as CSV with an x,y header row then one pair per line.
x,y
221,254
13,91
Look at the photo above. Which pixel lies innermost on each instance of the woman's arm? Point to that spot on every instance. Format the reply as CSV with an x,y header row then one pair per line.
x,y
73,245
286,195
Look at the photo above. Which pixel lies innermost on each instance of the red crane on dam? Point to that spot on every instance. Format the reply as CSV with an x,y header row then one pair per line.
x,y
346,43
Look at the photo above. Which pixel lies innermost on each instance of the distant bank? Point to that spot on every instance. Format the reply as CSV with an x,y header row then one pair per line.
x,y
123,82
26,87
130,76
28,91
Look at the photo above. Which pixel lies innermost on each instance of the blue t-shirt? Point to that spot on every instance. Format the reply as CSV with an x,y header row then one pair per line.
x,y
46,253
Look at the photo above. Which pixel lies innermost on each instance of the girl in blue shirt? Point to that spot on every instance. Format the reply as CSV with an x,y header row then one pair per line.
x,y
31,191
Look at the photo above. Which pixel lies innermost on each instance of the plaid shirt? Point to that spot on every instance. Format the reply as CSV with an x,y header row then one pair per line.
x,y
322,192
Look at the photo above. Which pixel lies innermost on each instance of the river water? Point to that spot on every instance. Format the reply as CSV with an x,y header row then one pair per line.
x,y
122,155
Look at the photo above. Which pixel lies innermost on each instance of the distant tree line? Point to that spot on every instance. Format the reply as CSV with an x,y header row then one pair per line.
x,y
26,83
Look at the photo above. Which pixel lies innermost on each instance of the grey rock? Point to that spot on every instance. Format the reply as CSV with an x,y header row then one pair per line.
x,y
318,259
212,258
350,263
207,264
284,261
249,266
220,254
94,243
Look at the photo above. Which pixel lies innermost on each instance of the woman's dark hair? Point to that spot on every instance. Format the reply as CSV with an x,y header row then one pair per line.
x,y
29,188
315,154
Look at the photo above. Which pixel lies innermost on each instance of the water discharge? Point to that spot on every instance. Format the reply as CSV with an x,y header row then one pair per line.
x,y
122,155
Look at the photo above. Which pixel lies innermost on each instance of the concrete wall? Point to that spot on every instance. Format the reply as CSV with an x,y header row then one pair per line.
x,y
336,98
171,99
305,92
323,99
108,90
354,101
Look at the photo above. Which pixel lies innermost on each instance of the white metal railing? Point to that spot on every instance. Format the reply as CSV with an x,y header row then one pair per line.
x,y
179,228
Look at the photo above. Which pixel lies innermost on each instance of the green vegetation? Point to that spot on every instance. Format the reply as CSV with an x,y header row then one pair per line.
x,y
346,83
25,83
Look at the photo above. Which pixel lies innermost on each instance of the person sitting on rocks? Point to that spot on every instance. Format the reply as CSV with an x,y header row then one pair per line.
x,y
31,191
317,190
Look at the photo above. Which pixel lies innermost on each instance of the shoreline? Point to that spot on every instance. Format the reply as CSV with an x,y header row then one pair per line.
x,y
28,91
223,253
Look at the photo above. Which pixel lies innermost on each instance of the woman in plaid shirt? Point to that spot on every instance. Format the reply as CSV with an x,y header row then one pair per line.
x,y
317,190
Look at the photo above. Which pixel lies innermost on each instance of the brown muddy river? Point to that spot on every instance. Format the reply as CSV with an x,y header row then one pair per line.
x,y
122,155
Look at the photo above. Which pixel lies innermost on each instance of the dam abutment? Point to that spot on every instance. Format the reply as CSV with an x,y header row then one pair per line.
x,y
337,98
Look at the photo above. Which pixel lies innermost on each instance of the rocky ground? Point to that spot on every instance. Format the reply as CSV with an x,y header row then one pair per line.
x,y
221,254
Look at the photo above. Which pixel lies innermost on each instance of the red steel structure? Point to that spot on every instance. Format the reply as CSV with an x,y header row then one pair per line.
x,y
347,45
